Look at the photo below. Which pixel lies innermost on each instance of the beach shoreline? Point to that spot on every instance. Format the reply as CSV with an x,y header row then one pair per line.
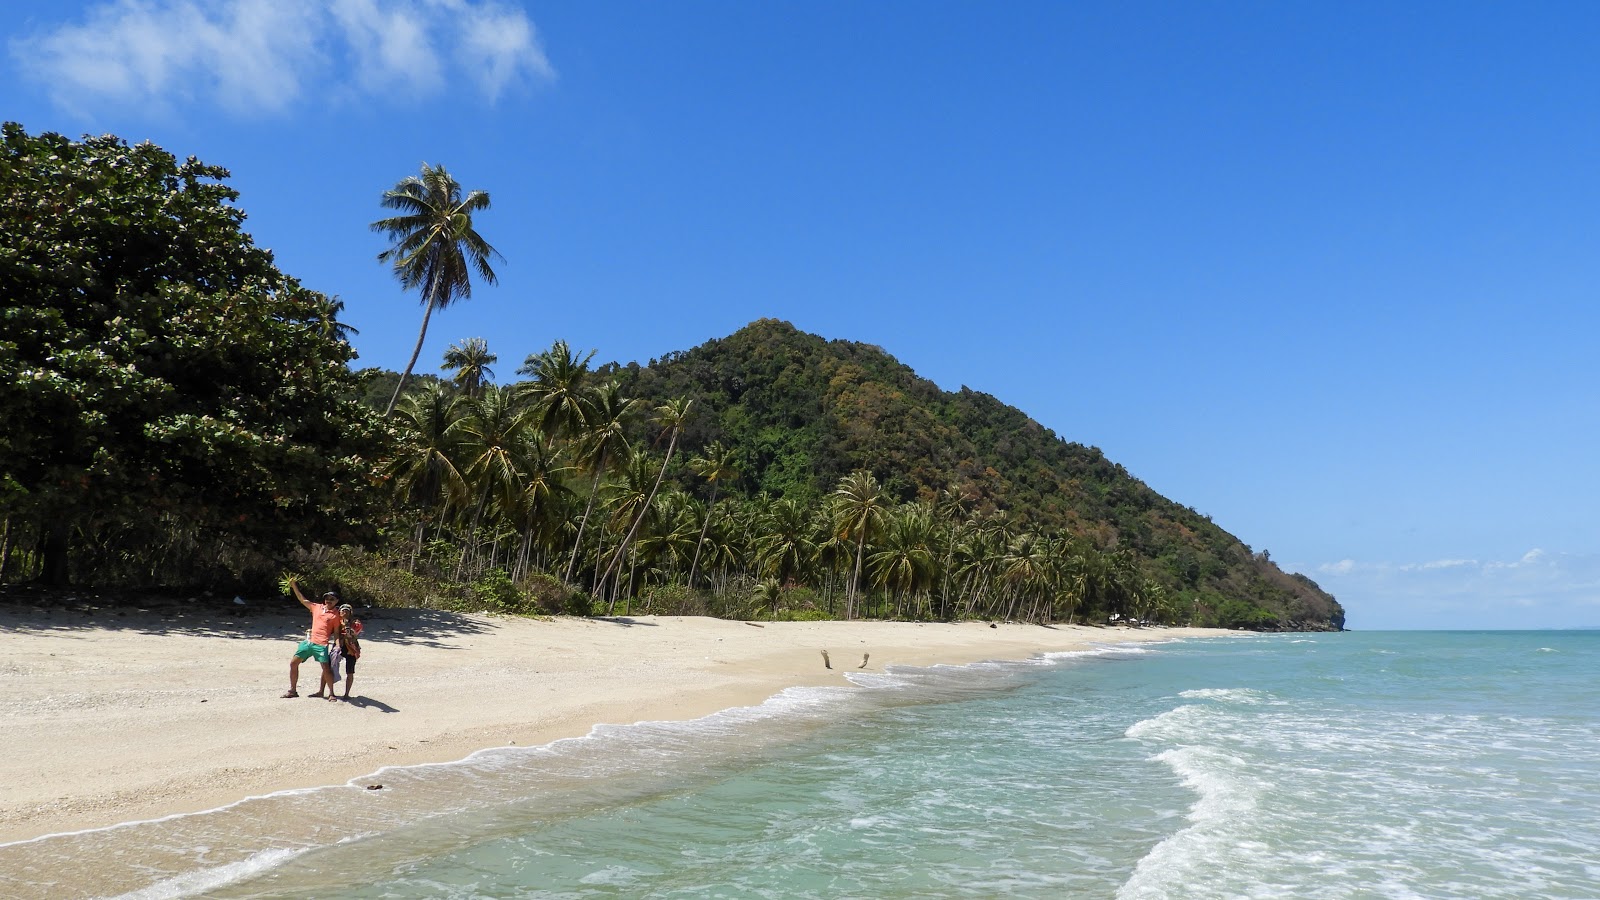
x,y
118,713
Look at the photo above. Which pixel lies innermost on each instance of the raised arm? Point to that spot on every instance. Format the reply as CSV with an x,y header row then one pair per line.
x,y
295,586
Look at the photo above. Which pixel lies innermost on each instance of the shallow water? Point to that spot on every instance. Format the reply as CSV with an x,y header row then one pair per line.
x,y
1374,765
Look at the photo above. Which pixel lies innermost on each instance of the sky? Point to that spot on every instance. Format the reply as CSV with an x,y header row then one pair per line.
x,y
1325,272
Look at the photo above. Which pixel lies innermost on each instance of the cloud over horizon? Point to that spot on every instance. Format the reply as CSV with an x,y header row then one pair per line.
x,y
1537,589
255,57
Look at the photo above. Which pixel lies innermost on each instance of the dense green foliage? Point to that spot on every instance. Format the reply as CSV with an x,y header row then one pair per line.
x,y
805,412
175,407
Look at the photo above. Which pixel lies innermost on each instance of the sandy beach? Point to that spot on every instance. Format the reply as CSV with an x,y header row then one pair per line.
x,y
114,713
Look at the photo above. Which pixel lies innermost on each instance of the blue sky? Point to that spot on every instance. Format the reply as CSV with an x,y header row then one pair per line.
x,y
1326,272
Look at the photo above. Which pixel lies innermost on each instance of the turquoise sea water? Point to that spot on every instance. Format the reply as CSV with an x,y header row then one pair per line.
x,y
1392,765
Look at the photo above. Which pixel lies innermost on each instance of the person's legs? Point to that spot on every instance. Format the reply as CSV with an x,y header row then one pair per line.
x,y
349,674
327,683
294,677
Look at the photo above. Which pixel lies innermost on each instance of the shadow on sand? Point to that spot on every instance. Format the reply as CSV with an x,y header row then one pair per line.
x,y
27,610
369,703
621,620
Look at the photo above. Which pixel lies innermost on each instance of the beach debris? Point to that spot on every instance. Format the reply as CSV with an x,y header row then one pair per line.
x,y
238,601
864,658
756,624
826,662
374,787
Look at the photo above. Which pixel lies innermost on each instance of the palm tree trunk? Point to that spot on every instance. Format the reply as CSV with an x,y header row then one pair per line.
x,y
472,533
416,351
643,511
698,544
583,523
855,579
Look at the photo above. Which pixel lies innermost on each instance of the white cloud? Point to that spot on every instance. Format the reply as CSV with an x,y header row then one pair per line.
x,y
390,45
1448,563
266,56
500,45
1537,589
1342,567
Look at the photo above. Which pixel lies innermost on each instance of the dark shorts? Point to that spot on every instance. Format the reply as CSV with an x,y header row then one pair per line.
x,y
350,664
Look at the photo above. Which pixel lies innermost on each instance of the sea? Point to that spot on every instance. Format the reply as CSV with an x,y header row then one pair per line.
x,y
1350,765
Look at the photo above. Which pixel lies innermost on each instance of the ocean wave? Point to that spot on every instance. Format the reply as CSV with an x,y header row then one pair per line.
x,y
204,881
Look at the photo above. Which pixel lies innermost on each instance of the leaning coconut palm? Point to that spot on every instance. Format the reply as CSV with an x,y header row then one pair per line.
x,y
671,416
470,361
715,465
436,248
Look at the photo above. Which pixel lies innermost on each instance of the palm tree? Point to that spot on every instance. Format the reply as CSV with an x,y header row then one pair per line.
x,y
327,310
672,416
785,545
905,564
493,434
470,360
435,248
424,470
558,388
604,440
861,507
714,465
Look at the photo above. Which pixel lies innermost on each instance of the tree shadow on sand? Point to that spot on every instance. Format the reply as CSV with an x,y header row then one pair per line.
x,y
620,620
25,611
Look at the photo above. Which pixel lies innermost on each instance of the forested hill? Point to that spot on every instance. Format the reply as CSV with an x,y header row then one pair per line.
x,y
802,412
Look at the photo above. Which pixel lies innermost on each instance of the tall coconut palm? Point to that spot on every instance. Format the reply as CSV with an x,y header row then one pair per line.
x,y
470,361
715,465
860,511
435,246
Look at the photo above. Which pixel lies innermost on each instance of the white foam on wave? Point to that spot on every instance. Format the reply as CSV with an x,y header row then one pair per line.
x,y
1226,798
1101,650
1229,695
204,880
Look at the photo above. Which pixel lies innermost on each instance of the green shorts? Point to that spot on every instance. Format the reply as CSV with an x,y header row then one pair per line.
x,y
318,652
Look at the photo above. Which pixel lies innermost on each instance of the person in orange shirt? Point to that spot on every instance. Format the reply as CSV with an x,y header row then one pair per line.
x,y
324,626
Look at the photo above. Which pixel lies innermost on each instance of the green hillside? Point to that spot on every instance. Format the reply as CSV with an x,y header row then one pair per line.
x,y
804,412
